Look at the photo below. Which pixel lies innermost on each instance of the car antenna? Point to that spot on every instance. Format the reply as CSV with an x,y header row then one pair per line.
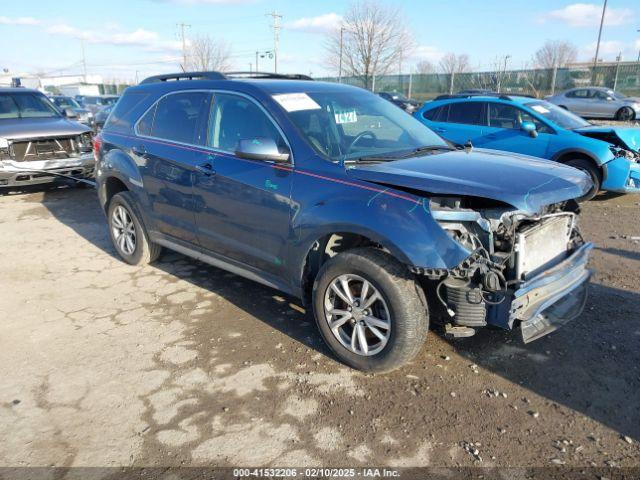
x,y
468,147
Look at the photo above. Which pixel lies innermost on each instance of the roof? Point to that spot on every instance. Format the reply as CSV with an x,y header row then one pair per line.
x,y
18,90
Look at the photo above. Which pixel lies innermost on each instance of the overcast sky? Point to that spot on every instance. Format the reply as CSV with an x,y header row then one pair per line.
x,y
125,36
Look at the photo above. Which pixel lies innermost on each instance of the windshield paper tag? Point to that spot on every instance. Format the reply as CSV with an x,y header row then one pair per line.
x,y
346,116
292,102
540,109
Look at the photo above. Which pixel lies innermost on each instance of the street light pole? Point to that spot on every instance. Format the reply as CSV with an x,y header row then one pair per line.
x,y
638,47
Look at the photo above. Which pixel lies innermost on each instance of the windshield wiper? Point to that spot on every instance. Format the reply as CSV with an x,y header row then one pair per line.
x,y
427,148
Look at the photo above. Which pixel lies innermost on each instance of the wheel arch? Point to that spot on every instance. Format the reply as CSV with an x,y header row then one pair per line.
x,y
564,156
331,243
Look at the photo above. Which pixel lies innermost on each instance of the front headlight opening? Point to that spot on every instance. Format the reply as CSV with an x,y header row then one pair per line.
x,y
84,142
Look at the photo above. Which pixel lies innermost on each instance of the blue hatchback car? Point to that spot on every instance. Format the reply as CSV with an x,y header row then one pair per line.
x,y
334,195
525,125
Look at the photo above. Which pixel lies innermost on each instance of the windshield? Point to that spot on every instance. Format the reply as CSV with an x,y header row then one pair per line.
x,y
558,115
26,105
353,124
66,102
398,96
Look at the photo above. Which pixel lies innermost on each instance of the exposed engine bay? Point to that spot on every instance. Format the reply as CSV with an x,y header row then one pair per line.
x,y
508,249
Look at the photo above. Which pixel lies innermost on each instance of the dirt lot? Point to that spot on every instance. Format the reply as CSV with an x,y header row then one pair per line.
x,y
179,363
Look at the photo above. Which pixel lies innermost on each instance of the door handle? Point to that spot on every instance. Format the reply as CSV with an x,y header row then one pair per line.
x,y
440,129
206,169
139,150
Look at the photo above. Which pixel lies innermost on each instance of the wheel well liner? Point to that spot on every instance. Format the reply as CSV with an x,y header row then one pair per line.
x,y
326,247
112,186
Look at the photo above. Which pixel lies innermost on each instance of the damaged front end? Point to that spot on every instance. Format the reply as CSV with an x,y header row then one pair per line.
x,y
30,161
522,268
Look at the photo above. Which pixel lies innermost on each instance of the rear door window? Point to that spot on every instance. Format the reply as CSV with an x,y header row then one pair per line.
x,y
469,113
182,117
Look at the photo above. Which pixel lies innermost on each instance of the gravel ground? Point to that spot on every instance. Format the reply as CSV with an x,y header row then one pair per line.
x,y
179,363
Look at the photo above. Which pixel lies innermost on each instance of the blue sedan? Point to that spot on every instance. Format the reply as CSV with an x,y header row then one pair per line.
x,y
525,125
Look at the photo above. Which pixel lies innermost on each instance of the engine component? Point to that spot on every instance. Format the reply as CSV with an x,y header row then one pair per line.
x,y
465,300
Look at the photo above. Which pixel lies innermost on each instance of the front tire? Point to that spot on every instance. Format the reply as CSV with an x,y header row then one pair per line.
x,y
369,310
590,169
128,234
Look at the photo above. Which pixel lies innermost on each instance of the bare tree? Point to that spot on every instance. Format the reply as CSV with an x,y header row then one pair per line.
x,y
555,54
372,40
452,64
425,67
205,54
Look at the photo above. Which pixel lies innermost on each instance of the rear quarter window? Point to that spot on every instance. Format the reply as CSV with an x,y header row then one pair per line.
x,y
435,114
127,111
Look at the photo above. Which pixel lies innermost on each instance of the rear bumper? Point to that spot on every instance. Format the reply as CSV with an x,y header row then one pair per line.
x,y
621,175
15,174
553,298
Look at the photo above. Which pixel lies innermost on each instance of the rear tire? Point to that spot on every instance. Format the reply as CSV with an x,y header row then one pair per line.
x,y
400,299
625,114
128,235
590,169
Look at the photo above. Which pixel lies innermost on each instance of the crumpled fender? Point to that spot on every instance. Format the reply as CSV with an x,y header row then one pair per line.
x,y
410,232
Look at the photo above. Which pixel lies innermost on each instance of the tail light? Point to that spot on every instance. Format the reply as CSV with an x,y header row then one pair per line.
x,y
97,145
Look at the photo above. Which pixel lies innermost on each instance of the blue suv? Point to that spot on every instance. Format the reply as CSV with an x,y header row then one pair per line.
x,y
331,194
609,155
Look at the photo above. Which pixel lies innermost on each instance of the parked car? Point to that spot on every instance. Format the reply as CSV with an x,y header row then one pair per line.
x,y
331,194
598,102
66,104
525,125
401,101
95,103
38,143
101,117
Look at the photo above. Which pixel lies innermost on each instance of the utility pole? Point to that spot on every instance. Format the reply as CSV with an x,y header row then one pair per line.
x,y
615,79
184,45
595,59
340,59
276,37
638,48
257,53
84,61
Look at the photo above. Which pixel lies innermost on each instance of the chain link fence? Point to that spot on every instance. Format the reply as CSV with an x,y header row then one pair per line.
x,y
623,77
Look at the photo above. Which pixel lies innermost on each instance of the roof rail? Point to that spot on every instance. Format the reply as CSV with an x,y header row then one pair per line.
x,y
165,77
268,75
501,96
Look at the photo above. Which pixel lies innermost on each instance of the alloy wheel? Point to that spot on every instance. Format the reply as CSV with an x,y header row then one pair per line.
x,y
124,230
357,314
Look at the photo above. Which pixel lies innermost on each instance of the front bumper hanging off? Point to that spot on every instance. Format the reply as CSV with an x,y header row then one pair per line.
x,y
553,298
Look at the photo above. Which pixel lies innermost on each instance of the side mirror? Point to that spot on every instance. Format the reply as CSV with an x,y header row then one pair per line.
x,y
530,128
69,113
261,148
610,99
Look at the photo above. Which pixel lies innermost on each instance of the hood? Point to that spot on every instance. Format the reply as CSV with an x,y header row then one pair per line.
x,y
29,128
623,137
526,183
